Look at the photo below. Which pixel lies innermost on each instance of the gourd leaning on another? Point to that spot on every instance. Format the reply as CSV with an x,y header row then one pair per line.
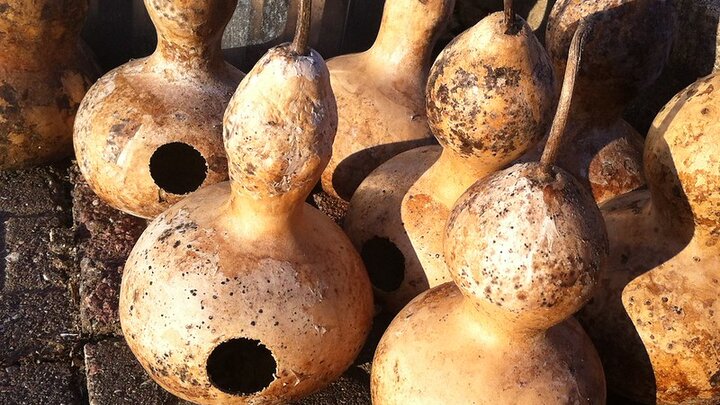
x,y
656,319
381,93
45,70
524,247
150,131
490,98
242,293
627,50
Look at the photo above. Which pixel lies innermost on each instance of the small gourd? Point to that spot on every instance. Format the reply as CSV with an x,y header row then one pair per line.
x,y
656,322
150,131
45,71
242,293
524,247
625,53
381,93
490,98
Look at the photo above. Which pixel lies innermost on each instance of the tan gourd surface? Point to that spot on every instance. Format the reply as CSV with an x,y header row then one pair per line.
x,y
246,266
490,98
381,93
626,51
45,71
150,131
656,319
524,247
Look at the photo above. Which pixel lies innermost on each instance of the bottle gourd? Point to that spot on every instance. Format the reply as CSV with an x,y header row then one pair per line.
x,y
625,54
657,321
150,131
490,98
45,71
381,93
242,293
524,247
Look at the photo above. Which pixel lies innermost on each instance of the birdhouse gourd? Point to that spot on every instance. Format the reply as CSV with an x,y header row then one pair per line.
x,y
524,246
45,71
489,99
242,293
656,322
150,131
381,93
625,53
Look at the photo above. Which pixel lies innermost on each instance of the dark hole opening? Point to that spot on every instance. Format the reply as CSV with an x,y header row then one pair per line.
x,y
178,168
241,367
385,263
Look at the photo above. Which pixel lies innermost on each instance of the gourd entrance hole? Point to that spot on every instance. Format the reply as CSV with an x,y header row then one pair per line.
x,y
385,263
178,168
241,367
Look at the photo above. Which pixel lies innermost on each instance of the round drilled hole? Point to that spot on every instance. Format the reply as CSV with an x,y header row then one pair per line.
x,y
385,263
241,367
178,168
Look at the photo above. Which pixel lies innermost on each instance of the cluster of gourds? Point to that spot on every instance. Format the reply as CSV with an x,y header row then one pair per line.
x,y
487,244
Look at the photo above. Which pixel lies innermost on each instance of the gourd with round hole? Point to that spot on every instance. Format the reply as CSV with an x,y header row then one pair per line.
x,y
524,247
656,322
150,131
625,53
242,293
490,98
45,71
381,93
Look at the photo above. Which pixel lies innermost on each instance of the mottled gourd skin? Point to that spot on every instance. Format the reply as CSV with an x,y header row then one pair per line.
x,y
177,95
657,314
625,53
524,253
248,258
381,93
490,98
495,103
45,71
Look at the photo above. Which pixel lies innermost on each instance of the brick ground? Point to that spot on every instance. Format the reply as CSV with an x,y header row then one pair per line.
x,y
39,316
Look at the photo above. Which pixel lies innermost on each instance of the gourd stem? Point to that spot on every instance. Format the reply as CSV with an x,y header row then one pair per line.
x,y
302,29
510,17
557,131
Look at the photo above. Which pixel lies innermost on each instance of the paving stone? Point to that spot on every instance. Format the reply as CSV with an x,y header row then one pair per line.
x,y
114,377
353,388
39,384
105,238
99,289
104,232
38,253
38,191
38,325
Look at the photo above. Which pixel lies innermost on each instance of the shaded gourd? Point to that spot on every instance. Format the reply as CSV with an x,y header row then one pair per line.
x,y
45,71
242,293
524,247
626,52
490,98
381,93
656,322
150,131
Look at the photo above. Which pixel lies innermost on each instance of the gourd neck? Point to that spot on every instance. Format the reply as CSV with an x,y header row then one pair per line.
x,y
406,39
499,330
452,175
265,215
190,55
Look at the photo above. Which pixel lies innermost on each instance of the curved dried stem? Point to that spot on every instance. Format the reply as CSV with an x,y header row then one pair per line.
x,y
510,20
302,29
557,131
